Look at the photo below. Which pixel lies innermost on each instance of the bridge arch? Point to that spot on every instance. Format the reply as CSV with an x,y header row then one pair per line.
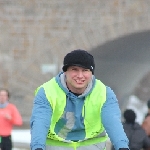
x,y
123,62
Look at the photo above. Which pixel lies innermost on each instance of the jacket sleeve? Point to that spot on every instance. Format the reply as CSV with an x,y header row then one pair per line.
x,y
16,117
146,142
40,120
111,119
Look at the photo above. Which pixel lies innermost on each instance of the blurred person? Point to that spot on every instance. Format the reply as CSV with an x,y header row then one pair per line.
x,y
146,121
138,138
9,116
74,110
148,106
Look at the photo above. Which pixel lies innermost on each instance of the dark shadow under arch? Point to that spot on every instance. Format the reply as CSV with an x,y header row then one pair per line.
x,y
122,62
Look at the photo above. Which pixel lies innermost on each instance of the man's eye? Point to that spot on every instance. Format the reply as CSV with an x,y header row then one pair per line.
x,y
86,69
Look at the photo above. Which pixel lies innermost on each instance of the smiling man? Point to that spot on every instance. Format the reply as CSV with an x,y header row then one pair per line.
x,y
75,111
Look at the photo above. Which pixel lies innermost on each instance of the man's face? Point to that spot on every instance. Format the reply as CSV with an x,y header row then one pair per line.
x,y
77,78
3,96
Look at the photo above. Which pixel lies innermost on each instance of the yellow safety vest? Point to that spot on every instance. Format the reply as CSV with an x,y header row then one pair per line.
x,y
95,132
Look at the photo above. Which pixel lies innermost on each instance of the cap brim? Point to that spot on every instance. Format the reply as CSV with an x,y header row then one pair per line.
x,y
65,67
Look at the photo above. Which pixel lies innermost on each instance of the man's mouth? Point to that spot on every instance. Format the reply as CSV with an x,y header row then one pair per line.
x,y
79,81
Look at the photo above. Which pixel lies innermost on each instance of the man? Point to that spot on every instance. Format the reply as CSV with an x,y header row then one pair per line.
x,y
9,116
73,110
146,121
138,138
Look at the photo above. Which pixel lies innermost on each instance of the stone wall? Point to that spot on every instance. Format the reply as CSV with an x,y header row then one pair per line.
x,y
35,36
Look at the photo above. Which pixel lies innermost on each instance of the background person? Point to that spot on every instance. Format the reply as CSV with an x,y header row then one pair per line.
x,y
9,116
146,121
73,110
138,139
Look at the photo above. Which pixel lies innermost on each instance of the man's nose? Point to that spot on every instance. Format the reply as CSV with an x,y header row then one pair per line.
x,y
80,74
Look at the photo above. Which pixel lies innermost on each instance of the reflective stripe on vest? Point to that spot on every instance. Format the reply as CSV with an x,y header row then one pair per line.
x,y
94,129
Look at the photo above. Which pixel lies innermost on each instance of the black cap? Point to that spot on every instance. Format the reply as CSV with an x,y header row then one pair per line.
x,y
79,58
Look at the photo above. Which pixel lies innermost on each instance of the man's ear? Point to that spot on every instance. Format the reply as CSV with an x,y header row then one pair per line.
x,y
65,72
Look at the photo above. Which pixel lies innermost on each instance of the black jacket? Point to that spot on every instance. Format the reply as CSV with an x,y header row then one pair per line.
x,y
138,138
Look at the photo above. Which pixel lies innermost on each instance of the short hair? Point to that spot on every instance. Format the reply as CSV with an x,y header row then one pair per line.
x,y
129,116
148,103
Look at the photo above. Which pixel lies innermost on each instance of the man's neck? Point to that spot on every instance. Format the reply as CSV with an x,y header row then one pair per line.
x,y
3,105
76,94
